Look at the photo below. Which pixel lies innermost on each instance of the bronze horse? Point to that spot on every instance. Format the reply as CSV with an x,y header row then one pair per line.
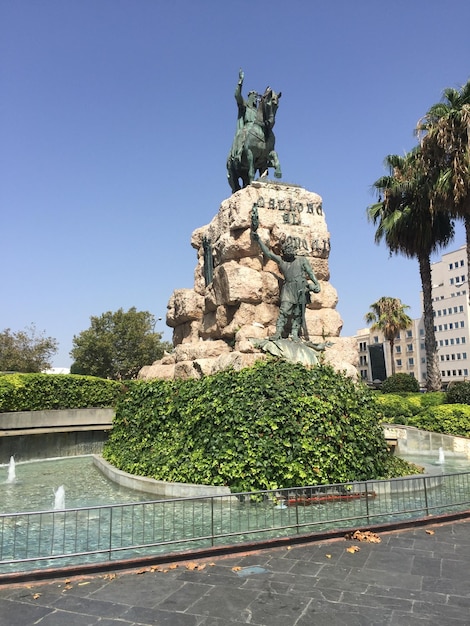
x,y
253,147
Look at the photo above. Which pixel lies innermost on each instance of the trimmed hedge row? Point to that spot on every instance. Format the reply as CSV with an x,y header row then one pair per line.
x,y
427,411
36,392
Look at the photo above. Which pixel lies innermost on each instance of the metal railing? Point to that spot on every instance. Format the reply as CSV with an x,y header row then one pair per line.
x,y
58,538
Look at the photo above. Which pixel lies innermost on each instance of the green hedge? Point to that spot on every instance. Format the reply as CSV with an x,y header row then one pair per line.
x,y
451,419
459,392
36,392
398,408
400,382
274,425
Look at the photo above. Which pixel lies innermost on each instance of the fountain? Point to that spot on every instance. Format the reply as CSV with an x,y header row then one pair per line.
x,y
11,471
59,499
441,456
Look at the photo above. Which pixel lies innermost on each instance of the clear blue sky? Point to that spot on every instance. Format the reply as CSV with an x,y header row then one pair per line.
x,y
116,117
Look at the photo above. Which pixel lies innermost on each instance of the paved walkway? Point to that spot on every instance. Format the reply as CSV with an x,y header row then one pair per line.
x,y
417,576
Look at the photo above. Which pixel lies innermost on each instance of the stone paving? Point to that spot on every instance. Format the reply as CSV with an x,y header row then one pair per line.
x,y
418,576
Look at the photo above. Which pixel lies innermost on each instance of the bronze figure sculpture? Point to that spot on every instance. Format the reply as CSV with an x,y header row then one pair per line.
x,y
295,293
253,146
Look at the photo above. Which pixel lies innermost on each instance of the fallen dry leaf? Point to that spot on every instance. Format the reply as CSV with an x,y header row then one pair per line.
x,y
173,566
363,535
191,565
201,567
328,556
430,532
142,571
84,583
353,549
109,576
36,596
237,568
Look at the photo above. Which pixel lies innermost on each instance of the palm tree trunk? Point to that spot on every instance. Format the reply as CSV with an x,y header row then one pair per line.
x,y
467,240
392,344
433,374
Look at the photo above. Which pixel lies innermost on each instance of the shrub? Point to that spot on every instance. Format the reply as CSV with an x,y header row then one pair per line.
x,y
451,419
458,393
400,382
36,392
393,409
274,425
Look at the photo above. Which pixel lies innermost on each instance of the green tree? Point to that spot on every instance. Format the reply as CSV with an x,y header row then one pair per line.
x,y
445,145
408,225
117,345
26,350
388,316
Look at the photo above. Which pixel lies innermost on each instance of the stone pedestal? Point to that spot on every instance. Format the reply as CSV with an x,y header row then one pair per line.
x,y
235,297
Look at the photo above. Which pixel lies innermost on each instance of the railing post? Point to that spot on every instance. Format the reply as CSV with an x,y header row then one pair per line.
x,y
212,520
425,495
367,503
110,538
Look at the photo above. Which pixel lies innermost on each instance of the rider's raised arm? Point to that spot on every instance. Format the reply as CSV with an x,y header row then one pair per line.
x,y
238,89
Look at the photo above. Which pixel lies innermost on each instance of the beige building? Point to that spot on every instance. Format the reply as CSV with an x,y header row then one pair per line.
x,y
451,324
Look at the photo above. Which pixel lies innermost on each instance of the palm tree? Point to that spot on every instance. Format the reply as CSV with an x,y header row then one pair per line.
x,y
388,316
405,221
445,145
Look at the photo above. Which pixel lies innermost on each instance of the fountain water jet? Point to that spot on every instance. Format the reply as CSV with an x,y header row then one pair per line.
x,y
59,499
441,456
11,471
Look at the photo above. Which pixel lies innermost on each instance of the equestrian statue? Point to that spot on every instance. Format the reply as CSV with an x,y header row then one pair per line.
x,y
253,146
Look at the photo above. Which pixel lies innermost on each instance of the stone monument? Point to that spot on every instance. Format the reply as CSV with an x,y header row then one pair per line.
x,y
228,319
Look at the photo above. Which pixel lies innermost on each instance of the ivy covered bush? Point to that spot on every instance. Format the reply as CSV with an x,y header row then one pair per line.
x,y
400,382
274,425
36,392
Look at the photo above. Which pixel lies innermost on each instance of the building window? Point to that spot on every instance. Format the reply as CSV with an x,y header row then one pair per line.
x,y
398,349
409,347
465,372
457,340
451,341
409,333
376,339
461,263
451,265
462,324
411,361
461,308
462,339
421,331
441,357
398,362
451,281
464,355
